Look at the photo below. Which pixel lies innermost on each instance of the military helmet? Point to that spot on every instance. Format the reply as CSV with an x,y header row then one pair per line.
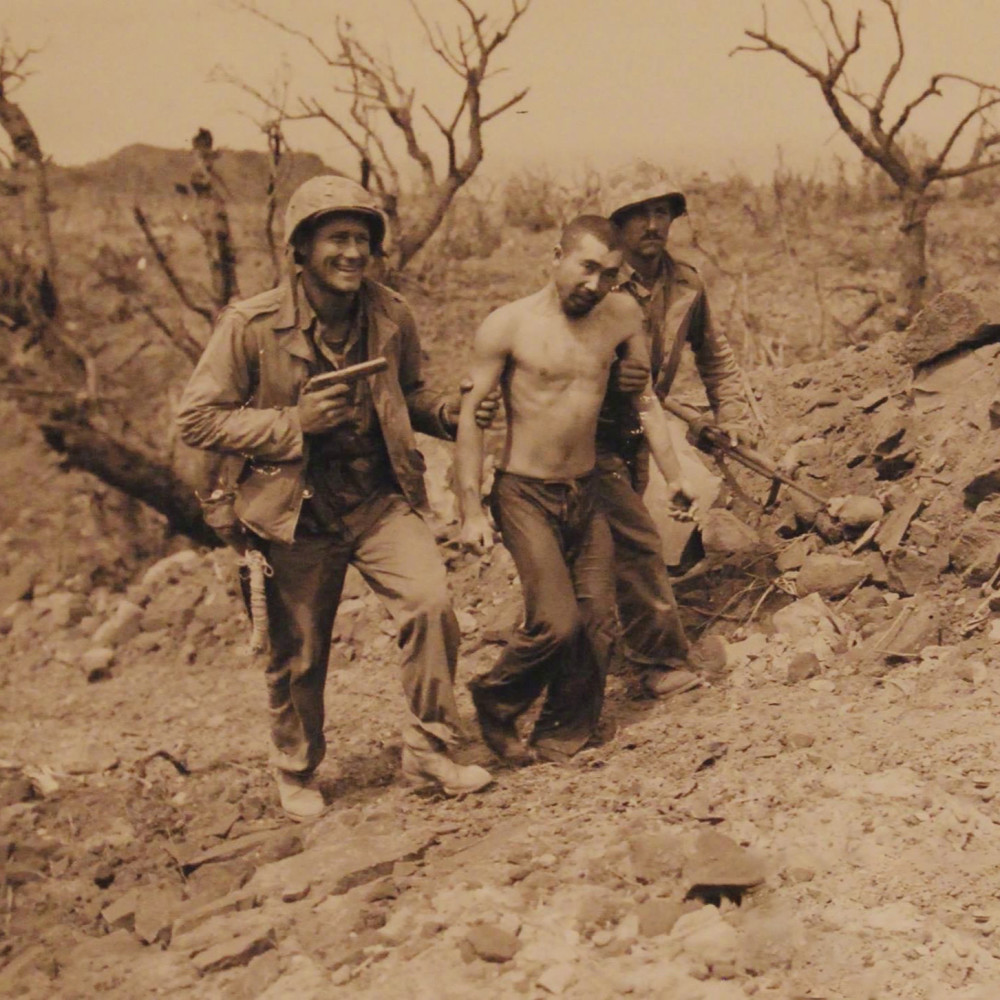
x,y
332,193
622,201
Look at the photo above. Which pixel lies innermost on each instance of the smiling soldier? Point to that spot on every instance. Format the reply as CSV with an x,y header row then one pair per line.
x,y
333,478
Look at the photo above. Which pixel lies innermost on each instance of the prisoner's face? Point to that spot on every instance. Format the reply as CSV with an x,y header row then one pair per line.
x,y
584,273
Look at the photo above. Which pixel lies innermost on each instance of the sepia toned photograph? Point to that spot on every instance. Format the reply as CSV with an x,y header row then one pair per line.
x,y
501,499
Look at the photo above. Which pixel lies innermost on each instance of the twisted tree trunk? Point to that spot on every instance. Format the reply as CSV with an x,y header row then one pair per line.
x,y
913,251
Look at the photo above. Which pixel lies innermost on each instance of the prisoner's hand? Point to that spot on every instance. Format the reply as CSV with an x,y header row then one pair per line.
x,y
682,500
630,375
324,409
476,534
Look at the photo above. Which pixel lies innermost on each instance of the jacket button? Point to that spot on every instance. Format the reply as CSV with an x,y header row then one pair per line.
x,y
307,494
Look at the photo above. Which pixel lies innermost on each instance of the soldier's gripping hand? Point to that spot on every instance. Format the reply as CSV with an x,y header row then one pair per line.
x,y
629,375
324,409
737,424
739,432
486,411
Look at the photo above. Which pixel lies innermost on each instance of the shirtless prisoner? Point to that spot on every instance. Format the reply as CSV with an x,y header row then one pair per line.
x,y
551,353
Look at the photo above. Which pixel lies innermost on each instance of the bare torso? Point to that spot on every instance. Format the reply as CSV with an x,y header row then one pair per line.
x,y
554,384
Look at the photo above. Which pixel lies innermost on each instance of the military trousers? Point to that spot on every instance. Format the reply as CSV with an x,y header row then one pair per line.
x,y
395,552
562,550
651,629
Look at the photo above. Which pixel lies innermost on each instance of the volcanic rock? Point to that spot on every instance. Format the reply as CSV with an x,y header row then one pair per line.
x,y
830,575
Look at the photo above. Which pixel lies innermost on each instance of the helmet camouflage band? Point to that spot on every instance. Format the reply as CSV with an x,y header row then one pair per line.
x,y
327,194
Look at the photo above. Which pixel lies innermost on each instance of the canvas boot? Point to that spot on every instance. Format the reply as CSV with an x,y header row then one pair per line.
x,y
300,798
426,760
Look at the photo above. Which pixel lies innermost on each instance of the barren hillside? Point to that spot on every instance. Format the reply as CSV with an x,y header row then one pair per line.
x,y
818,821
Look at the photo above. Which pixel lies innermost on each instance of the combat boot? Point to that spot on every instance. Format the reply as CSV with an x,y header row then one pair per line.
x,y
300,798
425,759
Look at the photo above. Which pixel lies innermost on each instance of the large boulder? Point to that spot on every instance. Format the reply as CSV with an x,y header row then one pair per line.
x,y
963,316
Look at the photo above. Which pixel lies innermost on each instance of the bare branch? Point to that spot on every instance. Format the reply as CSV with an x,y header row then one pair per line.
x,y
181,339
506,106
438,43
890,76
310,40
938,162
13,63
931,90
376,102
163,259
828,85
832,17
969,168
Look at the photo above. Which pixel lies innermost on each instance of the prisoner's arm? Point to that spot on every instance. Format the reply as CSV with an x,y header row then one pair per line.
x,y
490,353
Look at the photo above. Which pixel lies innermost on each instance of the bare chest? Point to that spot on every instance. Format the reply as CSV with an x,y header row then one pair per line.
x,y
558,356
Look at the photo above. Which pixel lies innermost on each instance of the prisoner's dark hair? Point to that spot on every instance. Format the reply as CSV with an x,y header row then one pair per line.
x,y
590,225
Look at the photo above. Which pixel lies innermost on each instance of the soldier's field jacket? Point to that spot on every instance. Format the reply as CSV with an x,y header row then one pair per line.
x,y
241,401
676,314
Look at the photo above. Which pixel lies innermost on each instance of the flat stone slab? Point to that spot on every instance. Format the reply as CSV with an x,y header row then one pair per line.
x,y
719,862
235,952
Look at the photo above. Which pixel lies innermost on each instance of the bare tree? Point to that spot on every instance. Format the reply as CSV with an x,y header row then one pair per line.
x,y
371,109
881,137
213,225
46,367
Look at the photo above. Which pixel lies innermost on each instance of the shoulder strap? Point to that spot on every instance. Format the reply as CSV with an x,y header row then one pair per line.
x,y
668,372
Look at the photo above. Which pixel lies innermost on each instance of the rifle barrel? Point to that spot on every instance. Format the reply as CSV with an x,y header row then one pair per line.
x,y
756,463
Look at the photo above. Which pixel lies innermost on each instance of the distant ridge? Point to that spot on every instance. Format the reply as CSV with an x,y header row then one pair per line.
x,y
140,171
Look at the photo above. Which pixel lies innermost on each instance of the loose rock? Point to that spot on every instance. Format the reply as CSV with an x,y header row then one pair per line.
x,y
830,575
492,944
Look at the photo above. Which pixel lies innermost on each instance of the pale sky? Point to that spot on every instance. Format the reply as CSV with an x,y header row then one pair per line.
x,y
609,81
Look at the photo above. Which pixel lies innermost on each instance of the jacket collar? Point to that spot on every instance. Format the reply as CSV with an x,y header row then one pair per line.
x,y
296,317
670,273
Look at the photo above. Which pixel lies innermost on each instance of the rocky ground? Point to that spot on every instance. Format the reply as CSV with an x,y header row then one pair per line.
x,y
819,820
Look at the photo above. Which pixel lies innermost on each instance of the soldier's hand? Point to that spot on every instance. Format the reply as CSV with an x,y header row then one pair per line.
x,y
629,375
739,432
476,534
486,411
324,409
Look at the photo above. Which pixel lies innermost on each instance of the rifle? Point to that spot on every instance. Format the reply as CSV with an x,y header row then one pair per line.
x,y
708,437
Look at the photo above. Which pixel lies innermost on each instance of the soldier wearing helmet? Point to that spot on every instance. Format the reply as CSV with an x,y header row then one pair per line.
x,y
677,313
332,477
